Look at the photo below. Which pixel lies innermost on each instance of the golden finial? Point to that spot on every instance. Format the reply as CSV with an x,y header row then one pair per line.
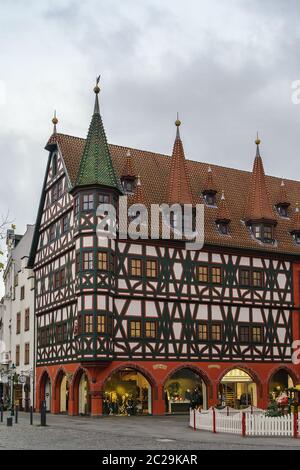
x,y
177,122
96,87
257,141
54,119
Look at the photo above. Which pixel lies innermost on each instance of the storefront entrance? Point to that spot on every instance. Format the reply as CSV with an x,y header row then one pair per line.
x,y
237,390
184,389
126,393
48,394
280,382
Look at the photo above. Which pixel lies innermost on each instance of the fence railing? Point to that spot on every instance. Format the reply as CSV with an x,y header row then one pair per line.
x,y
246,422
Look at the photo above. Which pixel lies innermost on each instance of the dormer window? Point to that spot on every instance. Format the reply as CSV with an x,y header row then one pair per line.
x,y
128,185
282,209
210,198
223,228
296,236
263,232
54,166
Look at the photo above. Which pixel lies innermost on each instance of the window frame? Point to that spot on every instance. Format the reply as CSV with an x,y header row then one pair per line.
x,y
89,253
141,261
130,322
206,267
202,324
216,324
87,205
155,261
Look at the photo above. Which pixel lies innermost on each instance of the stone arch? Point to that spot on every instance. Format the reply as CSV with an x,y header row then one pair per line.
x,y
294,376
197,370
129,365
74,387
45,377
256,379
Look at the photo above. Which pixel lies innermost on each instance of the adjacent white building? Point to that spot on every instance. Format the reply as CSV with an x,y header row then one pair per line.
x,y
17,328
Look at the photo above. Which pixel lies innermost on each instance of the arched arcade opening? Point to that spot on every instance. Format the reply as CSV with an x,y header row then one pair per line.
x,y
183,389
237,389
46,390
127,392
279,383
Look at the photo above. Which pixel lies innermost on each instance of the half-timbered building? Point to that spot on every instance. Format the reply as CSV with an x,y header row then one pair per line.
x,y
127,326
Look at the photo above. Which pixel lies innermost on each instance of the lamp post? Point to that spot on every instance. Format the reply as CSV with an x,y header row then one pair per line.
x,y
11,377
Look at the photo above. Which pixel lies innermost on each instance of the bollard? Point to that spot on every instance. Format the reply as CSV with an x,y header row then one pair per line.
x,y
243,424
9,421
1,414
214,421
43,413
194,419
31,415
295,430
16,414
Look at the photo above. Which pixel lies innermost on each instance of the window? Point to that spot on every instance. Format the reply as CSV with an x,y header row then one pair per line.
x,y
22,293
244,334
136,267
102,261
88,324
56,280
267,232
297,237
88,202
27,319
203,273
65,224
76,205
282,210
88,260
202,332
52,233
17,355
60,188
18,324
101,324
245,277
257,334
216,275
150,329
216,334
256,231
151,268
223,228
26,359
210,199
62,277
128,186
135,329
104,199
257,279
59,333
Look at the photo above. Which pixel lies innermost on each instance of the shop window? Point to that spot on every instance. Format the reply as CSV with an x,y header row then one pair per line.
x,y
101,324
151,268
245,277
102,261
244,334
216,332
257,279
202,273
18,323
136,267
202,331
88,323
135,328
88,202
257,336
88,260
216,275
150,329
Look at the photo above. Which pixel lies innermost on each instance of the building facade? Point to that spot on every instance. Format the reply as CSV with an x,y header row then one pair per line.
x,y
143,326
17,363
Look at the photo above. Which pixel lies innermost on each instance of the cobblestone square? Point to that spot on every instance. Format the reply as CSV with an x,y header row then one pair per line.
x,y
112,433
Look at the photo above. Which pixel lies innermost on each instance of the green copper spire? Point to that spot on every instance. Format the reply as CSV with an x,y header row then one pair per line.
x,y
96,166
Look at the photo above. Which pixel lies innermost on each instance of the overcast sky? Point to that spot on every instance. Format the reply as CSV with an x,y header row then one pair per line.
x,y
226,66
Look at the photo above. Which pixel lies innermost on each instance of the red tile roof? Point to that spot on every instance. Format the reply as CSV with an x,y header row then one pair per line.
x,y
154,170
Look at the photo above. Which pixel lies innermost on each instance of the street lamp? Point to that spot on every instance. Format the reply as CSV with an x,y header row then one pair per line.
x,y
11,377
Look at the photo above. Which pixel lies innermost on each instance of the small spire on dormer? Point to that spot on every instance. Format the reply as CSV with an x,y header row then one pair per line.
x,y
209,184
258,206
178,189
223,214
54,122
282,196
128,170
139,197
